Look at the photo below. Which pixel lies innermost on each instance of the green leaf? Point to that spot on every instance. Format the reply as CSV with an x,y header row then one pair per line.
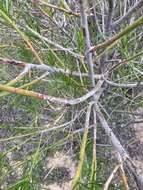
x,y
80,40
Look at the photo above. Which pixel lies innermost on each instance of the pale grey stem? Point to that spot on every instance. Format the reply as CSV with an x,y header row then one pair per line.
x,y
110,14
46,68
131,11
115,142
119,148
96,20
124,85
56,100
88,54
140,72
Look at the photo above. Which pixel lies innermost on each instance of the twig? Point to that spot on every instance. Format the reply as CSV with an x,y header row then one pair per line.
x,y
110,14
96,21
82,149
20,76
117,145
123,177
106,185
118,36
57,25
94,156
125,61
28,84
68,11
56,100
115,142
123,85
86,35
88,56
122,172
22,34
140,72
46,68
131,11
66,50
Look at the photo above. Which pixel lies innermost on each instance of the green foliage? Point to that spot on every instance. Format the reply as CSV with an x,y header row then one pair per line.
x,y
24,53
80,40
29,27
7,6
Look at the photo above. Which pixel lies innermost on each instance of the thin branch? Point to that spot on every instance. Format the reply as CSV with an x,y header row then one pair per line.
x,y
67,11
37,132
96,20
131,11
123,177
117,145
88,56
110,14
22,34
86,35
57,25
56,100
15,80
20,76
112,175
115,142
140,72
115,38
46,68
125,61
66,50
82,149
94,155
35,81
123,85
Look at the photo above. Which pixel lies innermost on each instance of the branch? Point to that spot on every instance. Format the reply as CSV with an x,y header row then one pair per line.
x,y
117,145
110,14
86,35
106,185
46,68
115,142
20,76
57,25
123,177
140,72
62,101
35,81
68,11
96,20
94,149
132,11
82,149
114,39
125,61
66,50
123,85
22,34
15,80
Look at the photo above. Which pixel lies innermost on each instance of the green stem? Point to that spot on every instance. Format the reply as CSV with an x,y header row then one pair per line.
x,y
24,37
82,150
114,39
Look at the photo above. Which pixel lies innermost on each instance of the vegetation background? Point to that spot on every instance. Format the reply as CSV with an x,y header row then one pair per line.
x,y
71,96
